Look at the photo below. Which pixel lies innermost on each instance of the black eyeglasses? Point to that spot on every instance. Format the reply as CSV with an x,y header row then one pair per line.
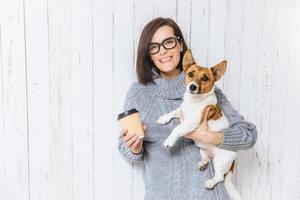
x,y
168,43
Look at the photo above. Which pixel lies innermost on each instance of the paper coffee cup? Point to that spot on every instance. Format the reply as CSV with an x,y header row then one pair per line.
x,y
131,121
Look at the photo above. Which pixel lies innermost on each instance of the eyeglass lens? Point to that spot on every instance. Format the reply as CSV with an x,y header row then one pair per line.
x,y
168,43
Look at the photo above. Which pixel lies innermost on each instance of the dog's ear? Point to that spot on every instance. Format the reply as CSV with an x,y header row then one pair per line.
x,y
219,70
188,60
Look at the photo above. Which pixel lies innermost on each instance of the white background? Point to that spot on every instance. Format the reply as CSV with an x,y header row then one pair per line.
x,y
66,66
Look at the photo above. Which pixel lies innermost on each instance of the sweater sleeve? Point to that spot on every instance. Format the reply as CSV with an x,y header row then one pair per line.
x,y
241,134
130,103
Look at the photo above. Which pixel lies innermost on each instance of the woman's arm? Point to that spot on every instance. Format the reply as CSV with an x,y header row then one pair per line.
x,y
241,134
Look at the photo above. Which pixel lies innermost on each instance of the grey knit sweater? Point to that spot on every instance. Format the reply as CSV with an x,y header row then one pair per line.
x,y
173,174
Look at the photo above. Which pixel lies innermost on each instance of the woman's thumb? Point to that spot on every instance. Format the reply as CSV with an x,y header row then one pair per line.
x,y
205,115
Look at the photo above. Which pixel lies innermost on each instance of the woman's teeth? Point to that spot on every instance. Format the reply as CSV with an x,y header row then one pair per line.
x,y
165,59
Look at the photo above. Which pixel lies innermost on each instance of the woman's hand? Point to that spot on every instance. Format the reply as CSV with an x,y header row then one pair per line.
x,y
203,135
132,140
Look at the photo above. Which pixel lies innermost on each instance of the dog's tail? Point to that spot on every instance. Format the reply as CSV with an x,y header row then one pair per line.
x,y
231,190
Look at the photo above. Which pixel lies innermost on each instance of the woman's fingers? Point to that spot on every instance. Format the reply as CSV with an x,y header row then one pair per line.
x,y
136,143
130,140
205,115
123,132
189,135
128,136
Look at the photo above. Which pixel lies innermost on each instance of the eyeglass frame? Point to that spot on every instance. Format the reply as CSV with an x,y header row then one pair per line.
x,y
162,44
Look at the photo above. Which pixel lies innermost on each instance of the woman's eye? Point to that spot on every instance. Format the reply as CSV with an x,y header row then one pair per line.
x,y
190,74
169,42
153,47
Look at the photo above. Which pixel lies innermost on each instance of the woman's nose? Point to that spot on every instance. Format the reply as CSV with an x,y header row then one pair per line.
x,y
162,50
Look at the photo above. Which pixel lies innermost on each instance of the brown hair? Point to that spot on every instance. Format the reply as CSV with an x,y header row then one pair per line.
x,y
144,63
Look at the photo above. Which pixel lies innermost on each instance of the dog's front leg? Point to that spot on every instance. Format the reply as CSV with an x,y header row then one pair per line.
x,y
177,132
204,161
167,117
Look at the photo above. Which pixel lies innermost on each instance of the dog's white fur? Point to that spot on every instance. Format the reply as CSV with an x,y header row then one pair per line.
x,y
192,106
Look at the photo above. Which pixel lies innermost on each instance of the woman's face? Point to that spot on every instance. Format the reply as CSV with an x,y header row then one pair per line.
x,y
168,56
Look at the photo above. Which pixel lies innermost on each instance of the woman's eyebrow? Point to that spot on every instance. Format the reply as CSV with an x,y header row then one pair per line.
x,y
162,40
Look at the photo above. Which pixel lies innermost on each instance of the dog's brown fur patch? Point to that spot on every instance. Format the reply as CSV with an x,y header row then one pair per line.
x,y
215,112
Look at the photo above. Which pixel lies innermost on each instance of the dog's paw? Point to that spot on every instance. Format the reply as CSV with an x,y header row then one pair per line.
x,y
163,120
209,184
169,142
203,164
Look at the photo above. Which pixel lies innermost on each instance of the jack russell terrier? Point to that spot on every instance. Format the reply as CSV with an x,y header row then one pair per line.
x,y
198,96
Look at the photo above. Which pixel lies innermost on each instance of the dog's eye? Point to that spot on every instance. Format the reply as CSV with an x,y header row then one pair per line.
x,y
204,78
190,74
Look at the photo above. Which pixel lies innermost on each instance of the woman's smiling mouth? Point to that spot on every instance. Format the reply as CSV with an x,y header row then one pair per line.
x,y
165,59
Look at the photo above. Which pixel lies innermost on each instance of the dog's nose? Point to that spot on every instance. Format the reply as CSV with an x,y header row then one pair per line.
x,y
193,87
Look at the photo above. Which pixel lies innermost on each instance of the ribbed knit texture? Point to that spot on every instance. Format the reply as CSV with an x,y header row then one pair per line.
x,y
173,174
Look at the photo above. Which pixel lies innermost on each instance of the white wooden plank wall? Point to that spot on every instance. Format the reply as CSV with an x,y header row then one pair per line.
x,y
66,66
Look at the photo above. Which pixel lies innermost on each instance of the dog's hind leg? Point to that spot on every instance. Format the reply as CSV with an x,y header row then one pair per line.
x,y
220,170
222,163
209,184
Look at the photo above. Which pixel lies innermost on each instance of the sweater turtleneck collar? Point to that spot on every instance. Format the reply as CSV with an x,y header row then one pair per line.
x,y
169,89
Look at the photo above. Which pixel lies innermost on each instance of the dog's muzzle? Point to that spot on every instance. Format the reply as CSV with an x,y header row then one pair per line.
x,y
193,88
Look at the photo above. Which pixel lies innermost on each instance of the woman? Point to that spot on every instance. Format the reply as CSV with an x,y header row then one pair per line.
x,y
173,173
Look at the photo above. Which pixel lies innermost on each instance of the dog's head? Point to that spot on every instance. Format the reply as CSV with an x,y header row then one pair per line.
x,y
200,80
